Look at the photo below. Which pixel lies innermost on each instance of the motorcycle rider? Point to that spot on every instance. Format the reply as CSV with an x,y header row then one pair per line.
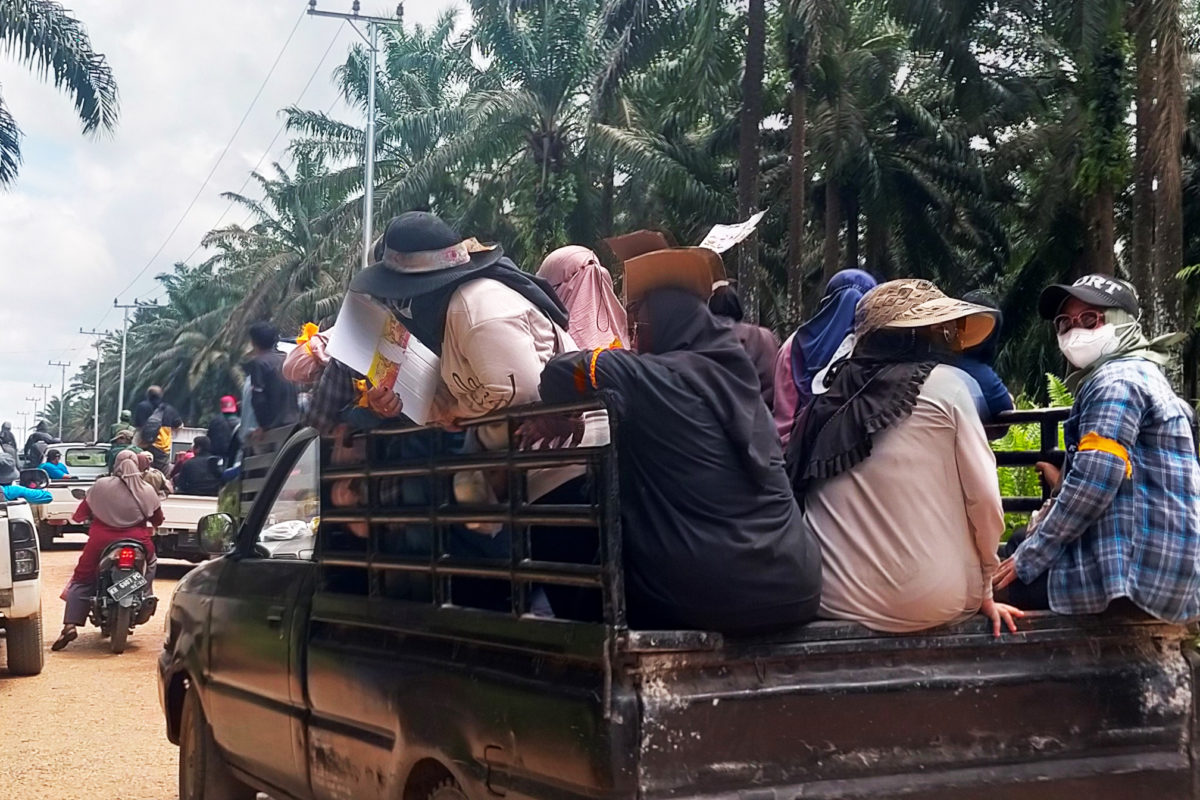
x,y
121,506
36,444
8,442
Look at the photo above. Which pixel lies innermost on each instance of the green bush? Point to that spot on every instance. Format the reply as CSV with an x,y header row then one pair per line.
x,y
1024,481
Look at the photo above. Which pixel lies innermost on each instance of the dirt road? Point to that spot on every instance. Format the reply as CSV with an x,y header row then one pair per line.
x,y
89,726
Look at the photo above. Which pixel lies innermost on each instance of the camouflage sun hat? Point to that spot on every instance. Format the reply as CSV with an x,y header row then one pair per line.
x,y
915,303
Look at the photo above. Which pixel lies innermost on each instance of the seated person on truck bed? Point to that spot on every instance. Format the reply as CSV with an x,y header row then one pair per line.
x,y
494,328
9,475
54,467
200,475
895,473
1125,518
713,539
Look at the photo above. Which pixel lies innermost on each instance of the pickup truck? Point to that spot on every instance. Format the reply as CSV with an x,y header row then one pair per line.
x,y
20,589
361,670
175,538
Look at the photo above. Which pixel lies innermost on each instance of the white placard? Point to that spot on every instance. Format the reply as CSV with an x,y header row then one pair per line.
x,y
370,340
723,237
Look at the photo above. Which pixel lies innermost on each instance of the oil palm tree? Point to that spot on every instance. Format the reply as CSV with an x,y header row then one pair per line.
x,y
46,38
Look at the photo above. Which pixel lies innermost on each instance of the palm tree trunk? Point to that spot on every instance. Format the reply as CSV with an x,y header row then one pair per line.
x,y
831,253
852,232
798,190
748,136
1167,147
607,192
1101,233
878,258
1143,164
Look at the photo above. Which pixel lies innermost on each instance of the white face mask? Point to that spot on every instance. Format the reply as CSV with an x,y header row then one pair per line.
x,y
1084,348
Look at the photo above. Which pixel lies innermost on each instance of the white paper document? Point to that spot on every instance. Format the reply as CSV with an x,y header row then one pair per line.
x,y
723,237
369,339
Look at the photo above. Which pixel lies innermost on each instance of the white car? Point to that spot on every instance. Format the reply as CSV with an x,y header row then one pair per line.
x,y
20,588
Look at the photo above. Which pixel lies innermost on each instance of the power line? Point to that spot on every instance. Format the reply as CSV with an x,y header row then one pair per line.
x,y
267,150
220,158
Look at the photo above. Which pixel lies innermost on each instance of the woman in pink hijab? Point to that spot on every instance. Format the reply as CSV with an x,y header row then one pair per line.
x,y
597,318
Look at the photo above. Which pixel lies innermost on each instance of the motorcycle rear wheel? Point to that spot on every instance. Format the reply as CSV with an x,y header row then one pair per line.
x,y
122,622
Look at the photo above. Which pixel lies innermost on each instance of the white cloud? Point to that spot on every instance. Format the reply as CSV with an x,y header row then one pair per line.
x,y
86,214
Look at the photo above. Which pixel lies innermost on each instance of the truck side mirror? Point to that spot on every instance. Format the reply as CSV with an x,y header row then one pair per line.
x,y
217,534
36,478
78,494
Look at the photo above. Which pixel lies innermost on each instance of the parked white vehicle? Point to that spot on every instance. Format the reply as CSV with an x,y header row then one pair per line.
x,y
20,588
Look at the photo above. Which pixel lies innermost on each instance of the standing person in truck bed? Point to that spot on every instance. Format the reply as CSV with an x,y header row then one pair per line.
x,y
895,472
713,538
1125,519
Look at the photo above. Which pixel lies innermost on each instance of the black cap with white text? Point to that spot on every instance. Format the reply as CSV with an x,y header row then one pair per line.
x,y
1102,291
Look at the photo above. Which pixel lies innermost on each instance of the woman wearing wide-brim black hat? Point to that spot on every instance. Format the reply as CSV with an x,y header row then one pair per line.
x,y
493,327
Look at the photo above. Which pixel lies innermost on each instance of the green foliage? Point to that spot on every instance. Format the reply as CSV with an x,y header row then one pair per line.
x,y
972,143
1060,395
45,37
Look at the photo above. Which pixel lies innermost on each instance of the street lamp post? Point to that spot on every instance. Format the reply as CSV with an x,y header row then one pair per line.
x,y
372,40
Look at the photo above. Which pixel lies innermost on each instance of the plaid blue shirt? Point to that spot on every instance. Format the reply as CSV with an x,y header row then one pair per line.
x,y
1106,536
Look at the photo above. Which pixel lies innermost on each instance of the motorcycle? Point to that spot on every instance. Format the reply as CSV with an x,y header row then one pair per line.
x,y
122,598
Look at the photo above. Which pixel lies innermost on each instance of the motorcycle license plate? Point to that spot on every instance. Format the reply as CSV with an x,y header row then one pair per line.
x,y
126,586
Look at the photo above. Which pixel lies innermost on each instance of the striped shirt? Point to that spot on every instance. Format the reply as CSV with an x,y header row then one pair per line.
x,y
1107,535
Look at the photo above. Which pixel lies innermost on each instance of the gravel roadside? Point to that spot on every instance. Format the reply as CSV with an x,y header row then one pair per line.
x,y
89,726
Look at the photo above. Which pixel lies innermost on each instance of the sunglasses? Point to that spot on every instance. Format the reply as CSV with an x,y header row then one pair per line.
x,y
1088,320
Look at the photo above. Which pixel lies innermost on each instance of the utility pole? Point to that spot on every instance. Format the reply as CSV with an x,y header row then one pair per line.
x,y
24,415
45,387
33,400
99,359
62,395
372,40
124,338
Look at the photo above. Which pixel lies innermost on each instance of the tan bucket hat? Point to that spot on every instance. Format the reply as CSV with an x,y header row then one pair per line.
x,y
915,303
692,269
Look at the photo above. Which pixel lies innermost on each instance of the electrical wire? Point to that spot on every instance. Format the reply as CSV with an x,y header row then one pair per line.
x,y
267,150
220,158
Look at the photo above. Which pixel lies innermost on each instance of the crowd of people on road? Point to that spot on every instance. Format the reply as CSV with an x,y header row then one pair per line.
x,y
845,474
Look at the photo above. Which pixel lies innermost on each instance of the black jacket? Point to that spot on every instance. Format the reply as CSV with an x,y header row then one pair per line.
x,y
220,433
199,476
273,396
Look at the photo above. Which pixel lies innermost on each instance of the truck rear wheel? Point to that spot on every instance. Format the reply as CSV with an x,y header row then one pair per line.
x,y
46,534
447,790
203,774
26,653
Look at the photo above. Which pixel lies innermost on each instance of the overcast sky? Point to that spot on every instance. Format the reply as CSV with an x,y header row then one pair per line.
x,y
86,215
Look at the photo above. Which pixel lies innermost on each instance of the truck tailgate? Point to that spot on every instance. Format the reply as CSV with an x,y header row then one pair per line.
x,y
1070,708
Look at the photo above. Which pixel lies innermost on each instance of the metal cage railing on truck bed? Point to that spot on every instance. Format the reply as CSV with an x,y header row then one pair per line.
x,y
391,526
1048,421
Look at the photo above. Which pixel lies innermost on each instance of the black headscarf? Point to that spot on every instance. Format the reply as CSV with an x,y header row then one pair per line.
x,y
871,391
726,303
425,314
687,339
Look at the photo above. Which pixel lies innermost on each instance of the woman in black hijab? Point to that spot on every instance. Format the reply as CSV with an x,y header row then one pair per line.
x,y
713,537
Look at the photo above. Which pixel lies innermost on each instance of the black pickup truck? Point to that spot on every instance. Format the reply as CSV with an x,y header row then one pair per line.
x,y
334,653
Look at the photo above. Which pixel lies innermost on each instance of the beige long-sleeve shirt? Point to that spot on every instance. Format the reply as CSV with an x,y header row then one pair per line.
x,y
909,535
495,345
